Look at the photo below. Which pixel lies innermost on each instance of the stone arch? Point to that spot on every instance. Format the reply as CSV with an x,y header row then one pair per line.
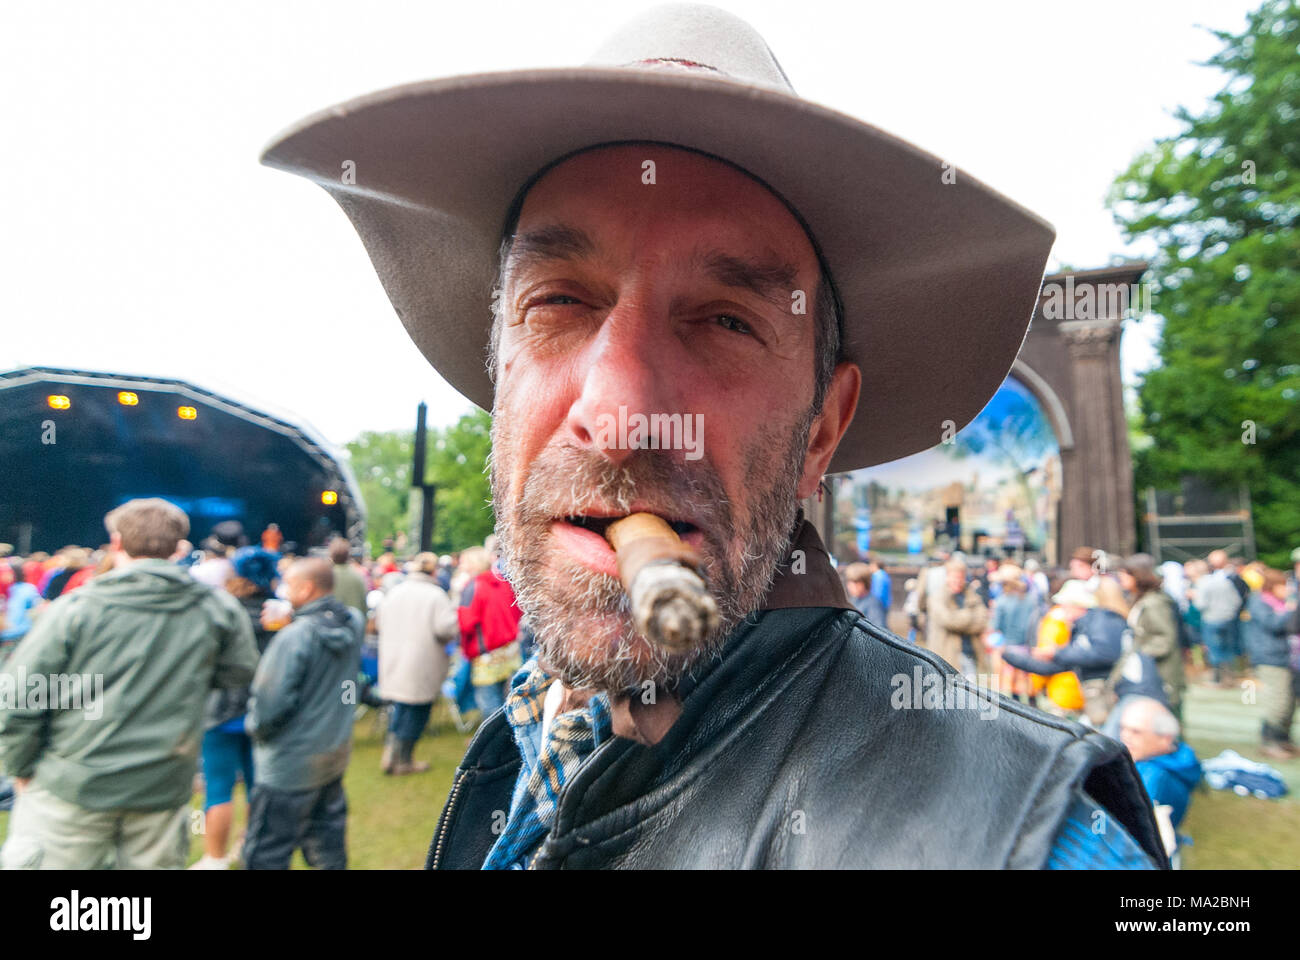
x,y
1051,401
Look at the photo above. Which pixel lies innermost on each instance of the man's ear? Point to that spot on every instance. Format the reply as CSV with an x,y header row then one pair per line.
x,y
837,413
115,542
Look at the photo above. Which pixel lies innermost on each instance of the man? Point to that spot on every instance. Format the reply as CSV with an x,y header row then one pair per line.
x,y
1083,564
1168,767
956,618
1267,642
416,621
881,584
677,237
1220,605
106,781
349,588
857,581
300,719
21,600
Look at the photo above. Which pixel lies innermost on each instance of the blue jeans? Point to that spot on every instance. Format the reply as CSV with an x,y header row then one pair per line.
x,y
490,697
408,720
1220,641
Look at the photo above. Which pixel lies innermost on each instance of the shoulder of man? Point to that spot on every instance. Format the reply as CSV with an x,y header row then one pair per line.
x,y
975,762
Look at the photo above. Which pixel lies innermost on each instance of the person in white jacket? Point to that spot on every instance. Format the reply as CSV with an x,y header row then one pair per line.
x,y
416,620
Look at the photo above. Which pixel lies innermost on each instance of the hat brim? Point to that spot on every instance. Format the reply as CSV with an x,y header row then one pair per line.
x,y
938,280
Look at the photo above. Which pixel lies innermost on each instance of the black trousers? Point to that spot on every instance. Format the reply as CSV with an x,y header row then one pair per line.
x,y
281,821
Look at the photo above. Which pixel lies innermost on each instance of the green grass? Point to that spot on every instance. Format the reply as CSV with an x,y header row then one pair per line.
x,y
1231,832
392,819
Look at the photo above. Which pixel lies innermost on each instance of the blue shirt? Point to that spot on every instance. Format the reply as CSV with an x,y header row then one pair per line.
x,y
880,588
23,599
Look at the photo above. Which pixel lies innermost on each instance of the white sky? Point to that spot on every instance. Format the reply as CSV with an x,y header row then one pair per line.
x,y
139,234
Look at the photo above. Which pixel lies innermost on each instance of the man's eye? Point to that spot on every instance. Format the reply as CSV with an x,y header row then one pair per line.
x,y
560,299
728,322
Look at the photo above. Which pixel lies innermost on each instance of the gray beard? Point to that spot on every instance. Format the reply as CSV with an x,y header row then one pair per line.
x,y
564,600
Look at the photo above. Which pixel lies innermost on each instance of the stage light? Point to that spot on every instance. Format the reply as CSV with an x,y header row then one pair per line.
x,y
329,497
127,399
186,413
58,402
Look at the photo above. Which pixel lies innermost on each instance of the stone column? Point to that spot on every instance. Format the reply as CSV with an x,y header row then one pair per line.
x,y
1098,477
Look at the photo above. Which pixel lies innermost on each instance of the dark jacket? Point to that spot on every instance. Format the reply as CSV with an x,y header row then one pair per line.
x,y
789,753
1266,634
299,714
1096,641
229,704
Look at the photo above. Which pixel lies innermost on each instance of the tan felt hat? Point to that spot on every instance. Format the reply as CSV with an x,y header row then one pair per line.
x,y
937,275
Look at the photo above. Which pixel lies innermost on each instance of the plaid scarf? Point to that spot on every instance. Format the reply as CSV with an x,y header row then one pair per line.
x,y
547,767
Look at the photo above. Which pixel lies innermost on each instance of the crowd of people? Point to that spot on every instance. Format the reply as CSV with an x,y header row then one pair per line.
x,y
278,650
233,662
1111,646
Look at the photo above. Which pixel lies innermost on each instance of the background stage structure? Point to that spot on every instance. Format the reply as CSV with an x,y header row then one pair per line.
x,y
76,443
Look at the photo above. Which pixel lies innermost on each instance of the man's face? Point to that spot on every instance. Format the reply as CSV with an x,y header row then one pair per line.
x,y
299,591
956,577
1080,570
672,301
1135,732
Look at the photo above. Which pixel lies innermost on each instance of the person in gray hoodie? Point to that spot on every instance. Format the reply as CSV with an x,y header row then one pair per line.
x,y
300,719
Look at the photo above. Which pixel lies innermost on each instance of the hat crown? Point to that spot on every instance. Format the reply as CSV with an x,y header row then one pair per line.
x,y
695,37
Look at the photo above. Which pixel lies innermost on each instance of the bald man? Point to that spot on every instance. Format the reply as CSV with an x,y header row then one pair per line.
x,y
1168,767
300,719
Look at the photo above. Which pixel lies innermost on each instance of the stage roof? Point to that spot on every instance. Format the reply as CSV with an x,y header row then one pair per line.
x,y
76,443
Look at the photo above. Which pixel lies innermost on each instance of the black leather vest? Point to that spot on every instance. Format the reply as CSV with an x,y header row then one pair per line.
x,y
796,749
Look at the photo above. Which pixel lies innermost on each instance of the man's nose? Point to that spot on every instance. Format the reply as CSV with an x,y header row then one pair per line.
x,y
623,371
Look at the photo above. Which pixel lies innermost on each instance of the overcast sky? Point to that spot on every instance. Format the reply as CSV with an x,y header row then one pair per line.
x,y
140,235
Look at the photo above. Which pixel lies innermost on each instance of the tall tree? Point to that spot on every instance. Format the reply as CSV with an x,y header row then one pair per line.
x,y
382,465
456,462
1221,200
458,458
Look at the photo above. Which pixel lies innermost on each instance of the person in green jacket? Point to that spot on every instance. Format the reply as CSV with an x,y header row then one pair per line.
x,y
1154,620
101,705
349,588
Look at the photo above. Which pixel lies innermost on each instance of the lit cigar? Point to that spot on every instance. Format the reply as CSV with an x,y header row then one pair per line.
x,y
671,605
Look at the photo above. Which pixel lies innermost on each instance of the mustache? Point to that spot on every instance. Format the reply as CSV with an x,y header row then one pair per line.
x,y
567,480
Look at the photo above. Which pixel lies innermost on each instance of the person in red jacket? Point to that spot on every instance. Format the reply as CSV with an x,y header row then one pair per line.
x,y
489,630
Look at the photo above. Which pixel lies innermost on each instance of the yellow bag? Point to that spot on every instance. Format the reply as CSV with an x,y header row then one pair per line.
x,y
496,666
1063,690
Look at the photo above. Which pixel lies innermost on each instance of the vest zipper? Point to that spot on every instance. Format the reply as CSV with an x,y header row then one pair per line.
x,y
446,819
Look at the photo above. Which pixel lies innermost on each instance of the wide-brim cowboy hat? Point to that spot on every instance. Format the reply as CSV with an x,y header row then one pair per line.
x,y
937,274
